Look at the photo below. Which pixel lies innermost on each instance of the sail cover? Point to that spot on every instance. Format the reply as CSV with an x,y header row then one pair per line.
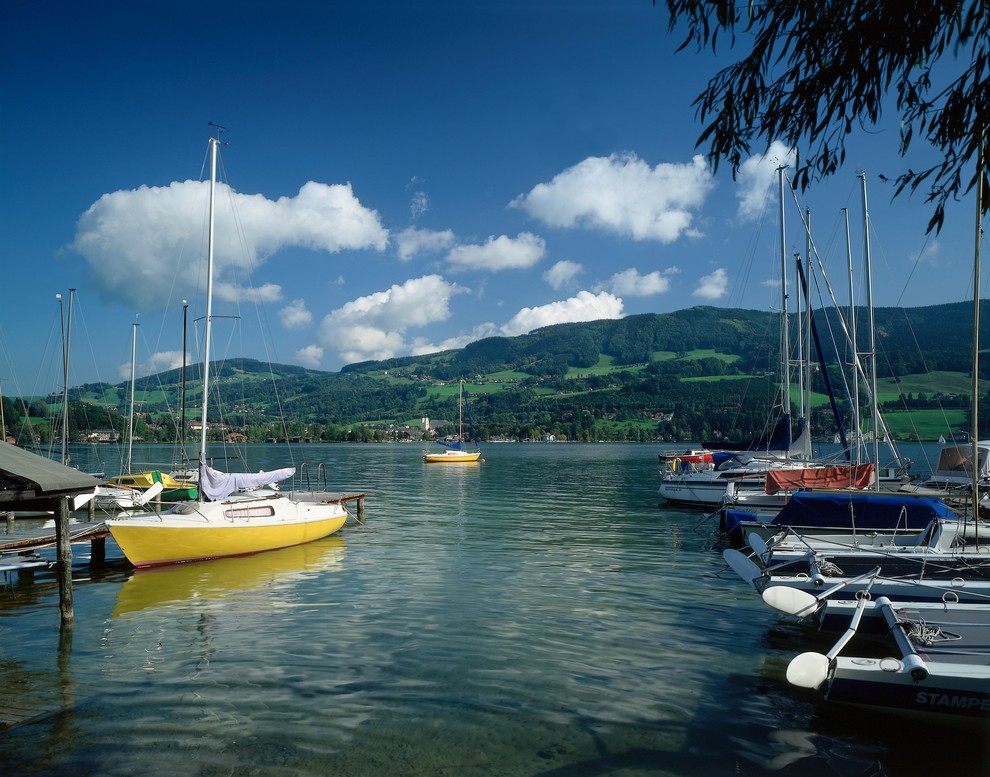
x,y
216,485
861,510
851,476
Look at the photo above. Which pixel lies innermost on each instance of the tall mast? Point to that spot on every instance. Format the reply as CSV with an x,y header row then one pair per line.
x,y
802,311
214,143
130,415
785,337
975,433
872,328
66,337
808,313
852,337
182,420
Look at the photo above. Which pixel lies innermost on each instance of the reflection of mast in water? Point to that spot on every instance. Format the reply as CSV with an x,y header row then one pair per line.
x,y
218,594
450,483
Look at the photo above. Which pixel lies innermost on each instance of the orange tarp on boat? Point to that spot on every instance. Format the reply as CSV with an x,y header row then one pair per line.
x,y
850,476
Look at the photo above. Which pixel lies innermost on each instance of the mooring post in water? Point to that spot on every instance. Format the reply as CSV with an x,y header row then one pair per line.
x,y
64,561
98,551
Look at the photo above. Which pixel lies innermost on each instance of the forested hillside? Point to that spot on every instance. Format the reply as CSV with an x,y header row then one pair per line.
x,y
700,373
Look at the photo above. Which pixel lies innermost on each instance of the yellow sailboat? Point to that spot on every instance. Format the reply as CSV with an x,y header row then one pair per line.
x,y
454,452
235,514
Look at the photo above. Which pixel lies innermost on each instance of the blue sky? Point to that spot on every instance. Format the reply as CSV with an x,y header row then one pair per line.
x,y
399,178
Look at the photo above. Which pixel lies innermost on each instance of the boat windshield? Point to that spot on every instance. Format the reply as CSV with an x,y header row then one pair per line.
x,y
958,460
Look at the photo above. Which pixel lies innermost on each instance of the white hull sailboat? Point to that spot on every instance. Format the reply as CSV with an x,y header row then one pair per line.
x,y
234,514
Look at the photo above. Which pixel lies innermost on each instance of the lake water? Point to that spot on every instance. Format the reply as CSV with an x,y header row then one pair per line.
x,y
536,614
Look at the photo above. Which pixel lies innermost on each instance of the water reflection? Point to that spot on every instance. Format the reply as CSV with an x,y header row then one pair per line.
x,y
223,581
533,615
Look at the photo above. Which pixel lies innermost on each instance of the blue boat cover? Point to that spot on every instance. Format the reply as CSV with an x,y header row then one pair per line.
x,y
861,510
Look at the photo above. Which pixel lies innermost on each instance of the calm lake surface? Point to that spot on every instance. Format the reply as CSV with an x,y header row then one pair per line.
x,y
537,614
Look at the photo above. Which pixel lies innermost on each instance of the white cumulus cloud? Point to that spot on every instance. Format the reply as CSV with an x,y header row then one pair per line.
x,y
932,254
143,244
421,345
499,253
155,363
414,241
310,356
629,283
584,306
756,177
375,326
621,194
715,285
562,273
295,315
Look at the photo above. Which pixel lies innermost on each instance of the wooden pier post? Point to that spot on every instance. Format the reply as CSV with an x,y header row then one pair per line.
x,y
360,508
97,551
62,512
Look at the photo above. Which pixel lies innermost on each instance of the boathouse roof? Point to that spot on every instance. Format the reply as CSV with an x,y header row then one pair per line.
x,y
26,478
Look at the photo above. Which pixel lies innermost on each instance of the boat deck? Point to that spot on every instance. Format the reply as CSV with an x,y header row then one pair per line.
x,y
960,635
957,633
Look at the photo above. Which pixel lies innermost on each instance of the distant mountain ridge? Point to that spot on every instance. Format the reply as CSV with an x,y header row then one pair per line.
x,y
705,369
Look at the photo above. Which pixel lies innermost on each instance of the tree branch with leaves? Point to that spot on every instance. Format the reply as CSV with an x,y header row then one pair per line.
x,y
819,70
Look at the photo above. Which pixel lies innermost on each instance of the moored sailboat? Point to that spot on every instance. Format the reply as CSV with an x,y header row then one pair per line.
x,y
234,514
454,452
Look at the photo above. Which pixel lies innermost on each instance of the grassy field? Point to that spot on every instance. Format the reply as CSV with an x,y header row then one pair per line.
x,y
930,384
695,355
606,366
715,378
924,424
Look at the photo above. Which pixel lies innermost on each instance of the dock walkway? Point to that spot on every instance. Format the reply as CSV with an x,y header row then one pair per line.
x,y
18,545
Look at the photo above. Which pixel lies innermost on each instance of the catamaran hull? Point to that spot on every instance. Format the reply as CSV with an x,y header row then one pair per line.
x,y
889,683
196,532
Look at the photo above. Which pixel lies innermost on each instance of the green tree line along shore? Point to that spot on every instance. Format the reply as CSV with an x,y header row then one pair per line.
x,y
698,374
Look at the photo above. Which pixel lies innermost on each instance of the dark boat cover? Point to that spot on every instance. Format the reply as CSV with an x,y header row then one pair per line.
x,y
865,510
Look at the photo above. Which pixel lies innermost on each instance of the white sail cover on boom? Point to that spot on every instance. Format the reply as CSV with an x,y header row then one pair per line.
x,y
216,485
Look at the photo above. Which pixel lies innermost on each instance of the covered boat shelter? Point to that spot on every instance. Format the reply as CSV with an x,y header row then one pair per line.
x,y
28,483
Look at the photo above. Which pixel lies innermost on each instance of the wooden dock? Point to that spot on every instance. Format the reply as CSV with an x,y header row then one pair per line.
x,y
17,546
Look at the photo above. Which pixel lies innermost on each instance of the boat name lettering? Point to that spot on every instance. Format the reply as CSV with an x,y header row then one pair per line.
x,y
952,701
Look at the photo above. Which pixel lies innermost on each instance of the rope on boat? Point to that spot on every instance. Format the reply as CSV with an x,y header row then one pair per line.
x,y
923,634
829,568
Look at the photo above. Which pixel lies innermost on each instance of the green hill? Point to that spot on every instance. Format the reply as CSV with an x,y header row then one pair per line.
x,y
699,373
